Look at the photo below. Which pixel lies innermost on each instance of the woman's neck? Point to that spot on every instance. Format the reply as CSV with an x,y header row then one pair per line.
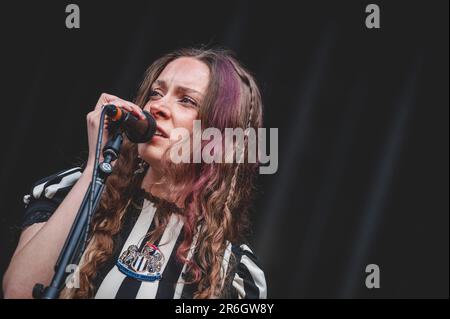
x,y
152,184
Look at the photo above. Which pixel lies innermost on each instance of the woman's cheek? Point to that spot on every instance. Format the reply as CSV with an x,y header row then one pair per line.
x,y
187,121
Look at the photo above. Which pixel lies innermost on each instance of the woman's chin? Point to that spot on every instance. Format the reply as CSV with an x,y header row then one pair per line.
x,y
150,154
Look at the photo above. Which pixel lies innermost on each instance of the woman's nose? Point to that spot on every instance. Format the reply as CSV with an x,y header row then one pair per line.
x,y
158,110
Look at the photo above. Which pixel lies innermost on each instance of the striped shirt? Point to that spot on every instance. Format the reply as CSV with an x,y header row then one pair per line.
x,y
244,279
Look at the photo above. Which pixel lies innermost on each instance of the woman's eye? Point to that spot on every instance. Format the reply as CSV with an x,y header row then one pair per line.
x,y
154,93
188,100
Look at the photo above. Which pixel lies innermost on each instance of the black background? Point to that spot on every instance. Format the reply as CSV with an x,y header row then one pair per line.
x,y
362,117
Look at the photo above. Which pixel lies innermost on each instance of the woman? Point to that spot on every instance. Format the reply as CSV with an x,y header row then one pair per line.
x,y
162,230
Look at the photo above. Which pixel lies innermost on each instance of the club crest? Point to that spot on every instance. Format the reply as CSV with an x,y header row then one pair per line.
x,y
144,265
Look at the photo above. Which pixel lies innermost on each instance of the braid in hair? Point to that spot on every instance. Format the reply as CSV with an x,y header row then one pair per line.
x,y
245,79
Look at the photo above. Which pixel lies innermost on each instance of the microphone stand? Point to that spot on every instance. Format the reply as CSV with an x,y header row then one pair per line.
x,y
76,240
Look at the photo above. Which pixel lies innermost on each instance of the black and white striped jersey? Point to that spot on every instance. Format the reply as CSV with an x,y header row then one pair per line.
x,y
245,277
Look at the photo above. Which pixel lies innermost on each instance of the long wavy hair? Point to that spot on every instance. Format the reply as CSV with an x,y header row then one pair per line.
x,y
216,196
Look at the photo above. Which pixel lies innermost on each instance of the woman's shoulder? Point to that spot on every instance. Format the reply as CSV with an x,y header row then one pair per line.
x,y
51,185
242,250
248,279
47,193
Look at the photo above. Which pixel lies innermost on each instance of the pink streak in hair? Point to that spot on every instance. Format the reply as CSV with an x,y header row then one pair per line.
x,y
226,105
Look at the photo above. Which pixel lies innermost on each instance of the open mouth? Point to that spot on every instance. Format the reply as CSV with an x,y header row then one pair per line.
x,y
160,133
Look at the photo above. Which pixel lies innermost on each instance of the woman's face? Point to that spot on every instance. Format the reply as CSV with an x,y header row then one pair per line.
x,y
174,100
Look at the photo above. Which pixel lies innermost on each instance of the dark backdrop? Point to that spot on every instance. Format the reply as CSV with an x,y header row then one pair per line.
x,y
362,117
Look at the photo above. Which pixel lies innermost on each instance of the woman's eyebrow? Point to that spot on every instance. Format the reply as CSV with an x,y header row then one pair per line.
x,y
161,83
187,90
178,88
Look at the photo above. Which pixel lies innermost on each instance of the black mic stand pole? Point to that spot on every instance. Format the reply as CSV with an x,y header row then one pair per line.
x,y
75,242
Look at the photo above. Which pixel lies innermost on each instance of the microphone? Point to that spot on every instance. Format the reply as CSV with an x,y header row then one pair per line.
x,y
137,130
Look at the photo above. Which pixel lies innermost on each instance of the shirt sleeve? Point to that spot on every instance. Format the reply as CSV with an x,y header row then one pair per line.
x,y
248,280
47,194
